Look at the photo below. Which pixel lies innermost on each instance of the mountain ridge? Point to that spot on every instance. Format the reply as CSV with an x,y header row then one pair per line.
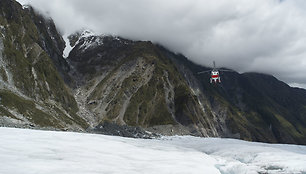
x,y
135,83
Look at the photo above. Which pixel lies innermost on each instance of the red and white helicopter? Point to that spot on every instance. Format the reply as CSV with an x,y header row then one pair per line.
x,y
214,74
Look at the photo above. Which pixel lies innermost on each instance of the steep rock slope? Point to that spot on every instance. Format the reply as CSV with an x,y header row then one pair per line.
x,y
51,42
129,82
142,84
135,83
31,90
258,106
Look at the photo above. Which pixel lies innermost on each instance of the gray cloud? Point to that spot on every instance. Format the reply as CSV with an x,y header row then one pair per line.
x,y
258,35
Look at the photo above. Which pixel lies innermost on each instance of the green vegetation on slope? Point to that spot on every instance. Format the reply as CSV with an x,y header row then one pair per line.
x,y
28,109
32,69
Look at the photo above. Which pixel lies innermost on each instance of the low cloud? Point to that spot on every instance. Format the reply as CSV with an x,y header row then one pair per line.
x,y
266,36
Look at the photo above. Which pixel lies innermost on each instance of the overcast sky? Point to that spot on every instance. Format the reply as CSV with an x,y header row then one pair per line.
x,y
266,36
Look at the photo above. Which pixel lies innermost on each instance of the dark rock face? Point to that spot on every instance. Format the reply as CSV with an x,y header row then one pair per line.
x,y
95,54
109,128
52,42
132,83
250,106
115,86
32,91
259,107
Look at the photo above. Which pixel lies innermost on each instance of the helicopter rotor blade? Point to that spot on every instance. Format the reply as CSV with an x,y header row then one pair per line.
x,y
227,70
204,72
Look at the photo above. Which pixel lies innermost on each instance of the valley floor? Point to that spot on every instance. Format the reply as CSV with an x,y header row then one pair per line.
x,y
32,151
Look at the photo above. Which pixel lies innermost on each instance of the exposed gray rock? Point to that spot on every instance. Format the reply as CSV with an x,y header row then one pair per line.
x,y
109,128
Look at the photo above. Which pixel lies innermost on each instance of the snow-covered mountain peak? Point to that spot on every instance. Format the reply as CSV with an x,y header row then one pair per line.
x,y
72,40
26,6
88,33
87,38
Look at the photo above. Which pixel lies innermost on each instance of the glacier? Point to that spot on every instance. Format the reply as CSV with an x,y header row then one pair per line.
x,y
29,151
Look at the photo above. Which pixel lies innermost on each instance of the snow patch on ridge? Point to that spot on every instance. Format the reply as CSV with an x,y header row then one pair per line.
x,y
26,6
68,47
91,41
87,33
88,38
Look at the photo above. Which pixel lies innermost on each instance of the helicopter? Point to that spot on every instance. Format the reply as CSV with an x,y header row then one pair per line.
x,y
214,73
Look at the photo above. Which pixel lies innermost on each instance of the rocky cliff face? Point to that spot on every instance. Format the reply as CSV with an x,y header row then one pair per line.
x,y
111,79
142,84
132,83
32,92
255,106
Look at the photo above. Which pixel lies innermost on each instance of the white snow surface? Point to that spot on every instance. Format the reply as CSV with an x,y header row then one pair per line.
x,y
25,6
68,47
31,151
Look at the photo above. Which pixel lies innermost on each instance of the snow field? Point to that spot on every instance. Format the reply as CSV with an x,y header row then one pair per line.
x,y
32,151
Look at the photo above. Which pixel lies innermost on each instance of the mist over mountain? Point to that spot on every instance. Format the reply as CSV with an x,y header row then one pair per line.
x,y
108,83
248,36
